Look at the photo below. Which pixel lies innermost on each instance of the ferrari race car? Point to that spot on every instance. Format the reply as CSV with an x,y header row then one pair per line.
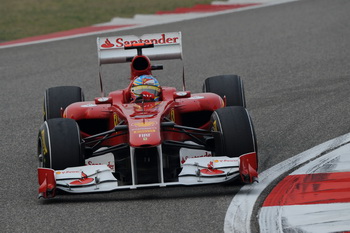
x,y
145,135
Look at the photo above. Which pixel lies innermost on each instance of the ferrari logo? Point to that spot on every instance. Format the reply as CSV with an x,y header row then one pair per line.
x,y
172,115
116,119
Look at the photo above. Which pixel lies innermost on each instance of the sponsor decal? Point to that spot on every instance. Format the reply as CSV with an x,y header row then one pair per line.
x,y
121,42
105,159
84,180
225,161
197,156
144,131
145,124
109,164
66,172
107,44
211,170
144,136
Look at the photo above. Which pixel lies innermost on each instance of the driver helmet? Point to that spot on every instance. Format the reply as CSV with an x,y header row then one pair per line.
x,y
145,87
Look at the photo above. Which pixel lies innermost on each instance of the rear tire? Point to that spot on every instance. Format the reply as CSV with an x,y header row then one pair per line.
x,y
233,132
59,144
57,98
230,86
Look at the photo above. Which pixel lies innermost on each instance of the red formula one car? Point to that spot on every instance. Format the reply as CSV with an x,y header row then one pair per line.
x,y
145,135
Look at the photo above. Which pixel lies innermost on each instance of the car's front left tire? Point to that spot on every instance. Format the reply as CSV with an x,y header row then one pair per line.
x,y
59,144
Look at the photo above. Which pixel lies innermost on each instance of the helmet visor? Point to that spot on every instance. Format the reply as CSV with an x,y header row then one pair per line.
x,y
137,90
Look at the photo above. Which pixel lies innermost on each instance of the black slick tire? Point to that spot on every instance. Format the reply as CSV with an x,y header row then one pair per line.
x,y
59,144
230,86
58,98
233,132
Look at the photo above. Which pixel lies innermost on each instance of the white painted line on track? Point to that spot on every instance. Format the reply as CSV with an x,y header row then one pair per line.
x,y
161,21
239,214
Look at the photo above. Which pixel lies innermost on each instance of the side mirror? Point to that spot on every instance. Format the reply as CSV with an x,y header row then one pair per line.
x,y
182,94
104,100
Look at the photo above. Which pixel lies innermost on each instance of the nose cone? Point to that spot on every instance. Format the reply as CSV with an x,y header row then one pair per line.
x,y
145,132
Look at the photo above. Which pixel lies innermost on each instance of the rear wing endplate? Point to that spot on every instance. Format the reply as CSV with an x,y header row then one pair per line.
x,y
166,46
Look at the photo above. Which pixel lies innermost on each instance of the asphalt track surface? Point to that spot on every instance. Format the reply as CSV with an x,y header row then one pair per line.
x,y
294,59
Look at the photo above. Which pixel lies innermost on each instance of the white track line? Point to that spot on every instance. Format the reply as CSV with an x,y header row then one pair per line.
x,y
238,217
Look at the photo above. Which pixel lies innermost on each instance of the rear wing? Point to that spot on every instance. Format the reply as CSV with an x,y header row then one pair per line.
x,y
166,46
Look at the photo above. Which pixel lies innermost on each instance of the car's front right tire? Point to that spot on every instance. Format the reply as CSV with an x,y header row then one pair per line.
x,y
228,86
233,131
58,98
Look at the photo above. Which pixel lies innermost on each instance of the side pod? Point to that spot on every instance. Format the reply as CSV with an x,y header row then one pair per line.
x,y
47,182
248,167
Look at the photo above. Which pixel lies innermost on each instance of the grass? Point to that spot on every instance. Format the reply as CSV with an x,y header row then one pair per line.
x,y
25,18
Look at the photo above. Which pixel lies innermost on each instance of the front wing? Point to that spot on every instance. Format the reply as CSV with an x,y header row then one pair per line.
x,y
99,178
